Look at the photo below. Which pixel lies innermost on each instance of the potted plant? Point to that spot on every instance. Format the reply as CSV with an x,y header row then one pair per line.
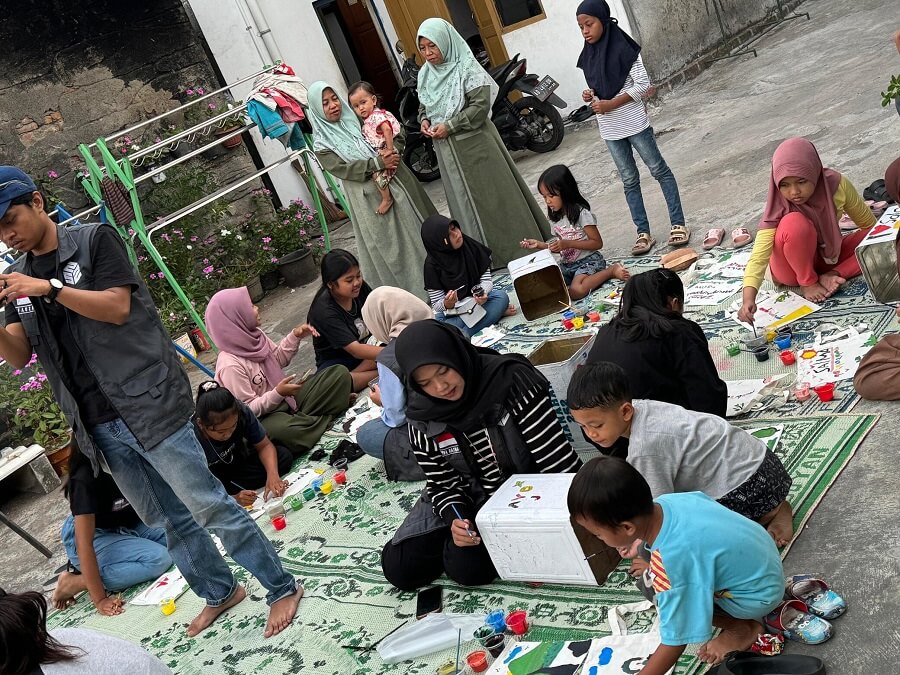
x,y
892,93
296,243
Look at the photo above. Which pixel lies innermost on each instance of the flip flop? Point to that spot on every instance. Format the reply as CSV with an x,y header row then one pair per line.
x,y
878,208
713,238
643,244
815,594
679,235
793,619
740,236
846,224
748,663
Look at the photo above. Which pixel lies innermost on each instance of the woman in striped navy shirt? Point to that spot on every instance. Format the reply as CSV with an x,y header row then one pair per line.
x,y
475,417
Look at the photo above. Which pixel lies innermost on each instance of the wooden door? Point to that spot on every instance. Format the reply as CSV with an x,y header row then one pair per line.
x,y
371,58
488,22
408,15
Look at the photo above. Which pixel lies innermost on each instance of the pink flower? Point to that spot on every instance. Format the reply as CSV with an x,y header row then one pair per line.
x,y
17,372
201,91
208,270
194,237
161,275
285,222
309,217
274,260
31,361
211,106
52,174
153,276
302,232
189,92
267,240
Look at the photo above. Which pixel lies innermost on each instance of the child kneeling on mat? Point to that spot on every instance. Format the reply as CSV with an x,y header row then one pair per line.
x,y
709,567
678,450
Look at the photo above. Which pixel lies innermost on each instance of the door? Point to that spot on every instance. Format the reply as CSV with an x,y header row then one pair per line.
x,y
408,15
371,59
488,22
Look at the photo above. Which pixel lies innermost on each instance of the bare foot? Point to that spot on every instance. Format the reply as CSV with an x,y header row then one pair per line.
x,y
814,293
831,282
738,637
781,527
209,614
282,612
385,205
512,310
619,271
67,587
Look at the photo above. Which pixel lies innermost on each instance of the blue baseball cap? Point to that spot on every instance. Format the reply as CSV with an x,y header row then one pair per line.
x,y
13,183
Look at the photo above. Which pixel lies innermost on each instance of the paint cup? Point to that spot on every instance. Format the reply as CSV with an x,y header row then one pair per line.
x,y
578,322
568,324
341,477
593,316
787,357
770,335
517,622
274,509
761,353
733,349
752,341
569,314
167,606
783,341
784,330
295,502
600,307
448,668
495,644
317,484
309,494
339,464
477,292
327,487
496,621
482,633
801,391
825,392
279,522
477,661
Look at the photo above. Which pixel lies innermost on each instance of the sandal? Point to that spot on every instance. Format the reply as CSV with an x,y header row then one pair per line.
x,y
846,224
793,620
815,594
679,235
748,663
713,238
740,236
643,244
878,208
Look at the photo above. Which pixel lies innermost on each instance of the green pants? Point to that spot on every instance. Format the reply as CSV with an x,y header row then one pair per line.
x,y
324,396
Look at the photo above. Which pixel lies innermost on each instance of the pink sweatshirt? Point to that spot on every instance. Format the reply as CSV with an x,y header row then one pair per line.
x,y
246,380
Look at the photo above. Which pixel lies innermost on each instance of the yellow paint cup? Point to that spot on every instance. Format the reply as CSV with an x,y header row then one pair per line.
x,y
578,322
327,487
167,606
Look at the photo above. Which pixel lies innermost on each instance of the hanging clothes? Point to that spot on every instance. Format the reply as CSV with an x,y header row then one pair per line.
x,y
271,125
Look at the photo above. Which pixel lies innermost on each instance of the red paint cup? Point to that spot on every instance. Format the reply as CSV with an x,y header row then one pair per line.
x,y
477,661
593,316
279,522
341,477
787,357
567,324
517,622
825,392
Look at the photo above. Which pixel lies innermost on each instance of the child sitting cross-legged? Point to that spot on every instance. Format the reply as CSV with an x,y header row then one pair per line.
x,y
709,567
678,450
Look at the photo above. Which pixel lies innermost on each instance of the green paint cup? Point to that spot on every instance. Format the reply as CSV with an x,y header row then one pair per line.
x,y
733,349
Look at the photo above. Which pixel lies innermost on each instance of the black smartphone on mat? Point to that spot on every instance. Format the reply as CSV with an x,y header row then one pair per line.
x,y
429,601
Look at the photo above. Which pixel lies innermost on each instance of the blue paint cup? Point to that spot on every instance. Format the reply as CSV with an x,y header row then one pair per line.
x,y
783,342
569,314
496,620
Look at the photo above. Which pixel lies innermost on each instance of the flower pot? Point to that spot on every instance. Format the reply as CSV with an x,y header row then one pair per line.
x,y
59,458
297,268
255,287
270,280
232,142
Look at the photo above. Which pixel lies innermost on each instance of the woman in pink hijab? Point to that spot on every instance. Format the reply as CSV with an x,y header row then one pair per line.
x,y
294,414
799,238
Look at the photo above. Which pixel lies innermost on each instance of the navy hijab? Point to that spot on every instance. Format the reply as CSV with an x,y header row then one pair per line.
x,y
607,62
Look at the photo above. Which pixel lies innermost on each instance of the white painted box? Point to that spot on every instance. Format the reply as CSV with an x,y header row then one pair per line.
x,y
526,528
539,284
877,257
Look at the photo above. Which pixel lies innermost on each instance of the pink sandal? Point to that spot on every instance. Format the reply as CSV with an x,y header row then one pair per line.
x,y
713,238
740,236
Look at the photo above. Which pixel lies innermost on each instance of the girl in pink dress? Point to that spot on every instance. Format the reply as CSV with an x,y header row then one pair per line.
x,y
379,128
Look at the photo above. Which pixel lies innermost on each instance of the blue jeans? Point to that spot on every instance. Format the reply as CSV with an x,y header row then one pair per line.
x,y
496,304
126,556
370,437
170,486
623,156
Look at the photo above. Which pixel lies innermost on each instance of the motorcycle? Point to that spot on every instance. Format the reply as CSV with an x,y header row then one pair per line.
x,y
532,122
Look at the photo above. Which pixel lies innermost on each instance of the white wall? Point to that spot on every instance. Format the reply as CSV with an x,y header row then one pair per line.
x,y
552,46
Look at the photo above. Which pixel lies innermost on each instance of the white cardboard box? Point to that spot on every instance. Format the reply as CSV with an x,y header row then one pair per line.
x,y
539,284
526,528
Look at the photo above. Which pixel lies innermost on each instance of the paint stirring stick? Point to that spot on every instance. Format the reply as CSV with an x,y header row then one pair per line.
x,y
590,556
458,644
459,517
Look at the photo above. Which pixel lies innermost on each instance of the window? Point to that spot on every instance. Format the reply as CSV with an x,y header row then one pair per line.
x,y
514,12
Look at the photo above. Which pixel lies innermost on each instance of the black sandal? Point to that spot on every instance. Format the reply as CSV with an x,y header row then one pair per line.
x,y
751,663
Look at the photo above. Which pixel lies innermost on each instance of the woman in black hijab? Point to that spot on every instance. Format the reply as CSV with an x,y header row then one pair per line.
x,y
454,266
475,418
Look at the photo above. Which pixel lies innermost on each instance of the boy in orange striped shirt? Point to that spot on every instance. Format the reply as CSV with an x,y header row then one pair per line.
x,y
709,566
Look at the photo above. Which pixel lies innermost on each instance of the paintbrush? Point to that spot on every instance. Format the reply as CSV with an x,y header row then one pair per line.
x,y
458,645
459,517
377,642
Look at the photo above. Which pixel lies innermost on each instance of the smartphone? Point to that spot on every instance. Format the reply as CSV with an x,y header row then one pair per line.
x,y
429,601
305,376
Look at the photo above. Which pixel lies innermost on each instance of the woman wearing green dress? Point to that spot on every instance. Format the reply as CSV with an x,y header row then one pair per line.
x,y
484,189
389,246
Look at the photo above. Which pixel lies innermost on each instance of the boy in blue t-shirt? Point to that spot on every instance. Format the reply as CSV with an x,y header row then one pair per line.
x,y
710,567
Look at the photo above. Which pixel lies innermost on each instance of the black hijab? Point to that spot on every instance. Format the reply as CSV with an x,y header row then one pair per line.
x,y
607,62
488,376
447,268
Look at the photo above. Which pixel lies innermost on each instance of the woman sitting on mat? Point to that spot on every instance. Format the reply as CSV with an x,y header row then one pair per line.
x,y
237,449
665,356
336,312
388,312
109,548
475,418
251,366
799,237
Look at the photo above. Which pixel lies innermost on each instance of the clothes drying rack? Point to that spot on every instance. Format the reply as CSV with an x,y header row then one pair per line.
x,y
781,16
122,170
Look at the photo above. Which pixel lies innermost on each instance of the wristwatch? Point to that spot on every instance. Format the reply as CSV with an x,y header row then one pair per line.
x,y
55,287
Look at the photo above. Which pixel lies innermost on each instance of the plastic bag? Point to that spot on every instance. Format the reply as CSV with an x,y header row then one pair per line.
x,y
426,636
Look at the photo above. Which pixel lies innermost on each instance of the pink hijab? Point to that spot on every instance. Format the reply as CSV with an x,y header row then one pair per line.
x,y
231,323
798,157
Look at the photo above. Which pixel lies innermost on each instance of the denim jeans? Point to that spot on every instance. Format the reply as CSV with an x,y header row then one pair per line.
x,y
370,437
496,304
170,486
126,556
622,153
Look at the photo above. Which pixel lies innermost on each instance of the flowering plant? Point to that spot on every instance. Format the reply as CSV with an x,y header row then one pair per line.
x,y
207,108
32,412
294,227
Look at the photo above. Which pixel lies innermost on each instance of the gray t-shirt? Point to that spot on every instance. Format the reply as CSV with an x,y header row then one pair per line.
x,y
678,450
103,655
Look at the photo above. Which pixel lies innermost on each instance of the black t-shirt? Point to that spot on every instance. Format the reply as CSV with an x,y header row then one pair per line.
x,y
241,445
100,496
336,326
111,268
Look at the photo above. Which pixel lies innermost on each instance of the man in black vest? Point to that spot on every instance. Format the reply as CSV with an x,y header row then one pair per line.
x,y
75,301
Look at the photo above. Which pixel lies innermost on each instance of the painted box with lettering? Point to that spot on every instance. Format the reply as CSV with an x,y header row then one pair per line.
x,y
877,257
526,528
